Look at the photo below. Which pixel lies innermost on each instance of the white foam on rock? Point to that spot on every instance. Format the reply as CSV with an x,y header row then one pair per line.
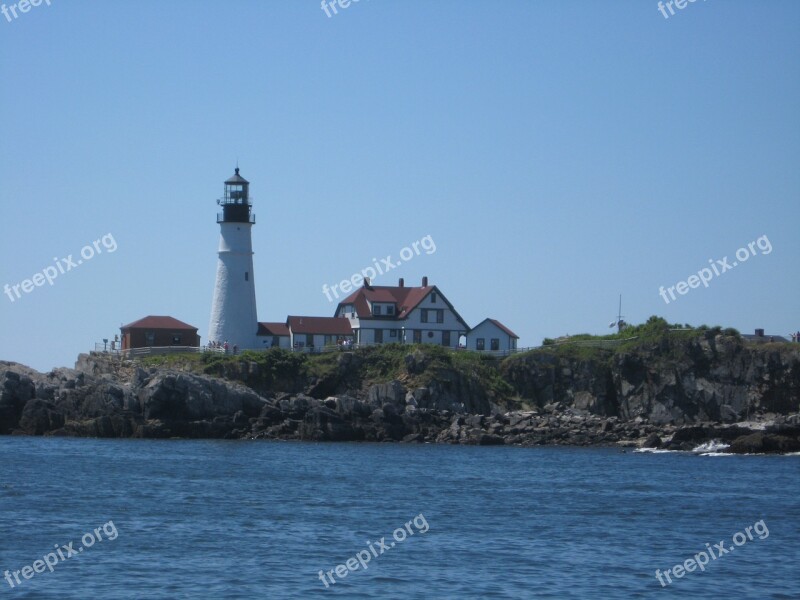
x,y
714,446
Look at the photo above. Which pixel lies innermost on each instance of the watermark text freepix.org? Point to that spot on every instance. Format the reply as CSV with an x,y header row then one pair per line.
x,y
62,265
701,559
705,274
680,4
22,6
330,5
51,559
386,264
364,556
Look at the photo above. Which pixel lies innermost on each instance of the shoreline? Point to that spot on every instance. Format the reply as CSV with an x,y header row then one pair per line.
x,y
324,422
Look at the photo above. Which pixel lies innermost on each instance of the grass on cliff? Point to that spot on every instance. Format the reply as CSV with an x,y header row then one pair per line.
x,y
283,370
655,333
378,364
286,371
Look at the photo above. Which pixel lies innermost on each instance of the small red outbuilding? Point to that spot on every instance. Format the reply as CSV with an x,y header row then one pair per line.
x,y
158,332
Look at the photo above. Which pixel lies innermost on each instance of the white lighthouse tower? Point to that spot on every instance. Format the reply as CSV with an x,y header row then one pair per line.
x,y
233,310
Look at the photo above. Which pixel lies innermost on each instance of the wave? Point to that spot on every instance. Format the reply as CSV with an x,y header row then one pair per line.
x,y
711,448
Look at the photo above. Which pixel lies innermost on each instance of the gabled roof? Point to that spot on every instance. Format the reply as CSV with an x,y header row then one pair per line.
x,y
320,325
499,325
405,298
273,329
153,322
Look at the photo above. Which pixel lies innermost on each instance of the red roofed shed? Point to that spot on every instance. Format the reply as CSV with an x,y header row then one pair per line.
x,y
155,331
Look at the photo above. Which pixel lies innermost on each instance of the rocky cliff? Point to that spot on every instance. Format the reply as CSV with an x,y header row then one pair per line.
x,y
670,391
671,380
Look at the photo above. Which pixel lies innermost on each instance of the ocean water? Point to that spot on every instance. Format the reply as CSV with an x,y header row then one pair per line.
x,y
228,519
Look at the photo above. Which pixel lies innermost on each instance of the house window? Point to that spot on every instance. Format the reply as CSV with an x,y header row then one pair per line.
x,y
495,344
393,333
424,316
379,336
390,309
480,344
440,316
445,338
376,309
275,341
176,339
430,334
150,338
433,298
417,336
246,276
310,340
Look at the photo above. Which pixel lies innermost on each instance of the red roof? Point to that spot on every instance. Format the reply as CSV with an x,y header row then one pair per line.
x,y
406,299
320,325
152,322
499,325
273,329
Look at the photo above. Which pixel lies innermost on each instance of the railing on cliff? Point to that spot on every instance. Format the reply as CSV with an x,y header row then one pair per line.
x,y
156,350
161,350
351,347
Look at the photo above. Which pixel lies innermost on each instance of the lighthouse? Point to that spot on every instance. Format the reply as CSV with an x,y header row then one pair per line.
x,y
233,309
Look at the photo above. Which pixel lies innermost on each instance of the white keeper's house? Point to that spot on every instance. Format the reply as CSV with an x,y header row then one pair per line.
x,y
411,315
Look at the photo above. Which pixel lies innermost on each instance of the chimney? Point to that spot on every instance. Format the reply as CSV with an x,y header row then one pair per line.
x,y
366,282
425,281
760,332
401,283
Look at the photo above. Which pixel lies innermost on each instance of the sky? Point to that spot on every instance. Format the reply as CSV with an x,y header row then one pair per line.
x,y
558,153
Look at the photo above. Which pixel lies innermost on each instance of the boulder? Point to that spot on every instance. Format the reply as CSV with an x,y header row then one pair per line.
x,y
764,443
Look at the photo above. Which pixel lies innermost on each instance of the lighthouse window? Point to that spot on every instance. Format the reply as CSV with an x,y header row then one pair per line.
x,y
247,276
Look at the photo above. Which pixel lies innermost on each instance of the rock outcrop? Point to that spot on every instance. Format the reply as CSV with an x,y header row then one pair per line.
x,y
713,389
708,378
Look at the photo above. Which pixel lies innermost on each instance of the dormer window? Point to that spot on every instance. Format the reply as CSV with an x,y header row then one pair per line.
x,y
390,309
376,310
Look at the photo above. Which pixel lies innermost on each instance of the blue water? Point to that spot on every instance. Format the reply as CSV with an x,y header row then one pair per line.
x,y
214,519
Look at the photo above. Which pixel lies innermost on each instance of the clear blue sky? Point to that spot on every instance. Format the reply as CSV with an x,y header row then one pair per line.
x,y
558,153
